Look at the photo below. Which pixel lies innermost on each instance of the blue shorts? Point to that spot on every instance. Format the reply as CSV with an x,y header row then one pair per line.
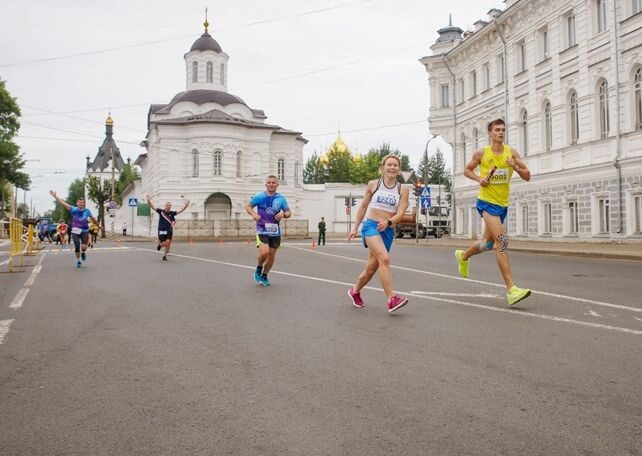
x,y
492,209
369,228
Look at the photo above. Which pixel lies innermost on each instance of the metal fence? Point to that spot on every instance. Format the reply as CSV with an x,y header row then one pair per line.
x,y
235,228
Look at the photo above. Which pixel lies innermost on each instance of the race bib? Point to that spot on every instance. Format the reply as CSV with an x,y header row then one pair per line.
x,y
500,176
162,232
76,230
272,228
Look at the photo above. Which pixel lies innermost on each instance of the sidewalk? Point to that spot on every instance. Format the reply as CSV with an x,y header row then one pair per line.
x,y
628,250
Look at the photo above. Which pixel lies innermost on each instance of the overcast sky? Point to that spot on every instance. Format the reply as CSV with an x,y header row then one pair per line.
x,y
313,66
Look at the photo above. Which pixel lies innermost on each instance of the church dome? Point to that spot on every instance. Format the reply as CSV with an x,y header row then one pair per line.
x,y
202,96
206,43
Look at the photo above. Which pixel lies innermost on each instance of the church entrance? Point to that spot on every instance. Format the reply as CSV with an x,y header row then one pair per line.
x,y
218,206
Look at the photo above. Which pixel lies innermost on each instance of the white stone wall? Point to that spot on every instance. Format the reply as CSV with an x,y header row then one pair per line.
x,y
567,170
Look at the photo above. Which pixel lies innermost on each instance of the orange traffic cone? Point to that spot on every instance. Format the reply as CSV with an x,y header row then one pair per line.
x,y
314,245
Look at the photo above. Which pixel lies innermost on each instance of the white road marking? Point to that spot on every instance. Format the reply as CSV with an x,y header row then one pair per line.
x,y
19,299
638,319
431,298
591,313
453,277
4,329
461,295
36,269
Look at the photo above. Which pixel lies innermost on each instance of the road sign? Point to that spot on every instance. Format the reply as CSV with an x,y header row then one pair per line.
x,y
425,197
133,202
113,205
348,210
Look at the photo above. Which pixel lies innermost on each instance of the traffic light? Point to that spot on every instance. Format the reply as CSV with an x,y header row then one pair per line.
x,y
353,202
417,188
347,201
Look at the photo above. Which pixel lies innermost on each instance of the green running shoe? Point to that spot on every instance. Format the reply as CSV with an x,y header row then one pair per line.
x,y
463,265
517,294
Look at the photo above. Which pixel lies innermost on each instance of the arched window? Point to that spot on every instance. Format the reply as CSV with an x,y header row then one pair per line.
x,y
239,164
523,127
195,163
603,97
222,75
218,163
574,117
194,71
210,72
280,169
297,171
548,127
475,139
637,88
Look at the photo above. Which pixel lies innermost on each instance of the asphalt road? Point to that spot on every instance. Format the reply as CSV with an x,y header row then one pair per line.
x,y
130,355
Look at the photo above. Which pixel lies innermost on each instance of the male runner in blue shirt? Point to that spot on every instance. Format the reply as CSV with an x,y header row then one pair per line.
x,y
271,208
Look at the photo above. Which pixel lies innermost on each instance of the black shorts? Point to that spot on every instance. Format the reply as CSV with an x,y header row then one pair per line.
x,y
82,238
272,241
165,237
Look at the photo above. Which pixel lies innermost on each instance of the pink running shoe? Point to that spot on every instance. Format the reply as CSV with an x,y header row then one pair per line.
x,y
396,302
356,298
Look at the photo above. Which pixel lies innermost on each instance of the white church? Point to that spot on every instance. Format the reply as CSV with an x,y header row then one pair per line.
x,y
209,147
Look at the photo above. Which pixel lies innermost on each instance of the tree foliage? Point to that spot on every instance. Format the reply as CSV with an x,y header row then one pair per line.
x,y
127,176
99,191
341,166
11,161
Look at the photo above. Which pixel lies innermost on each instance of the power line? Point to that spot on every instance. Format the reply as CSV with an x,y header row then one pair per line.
x,y
148,43
381,127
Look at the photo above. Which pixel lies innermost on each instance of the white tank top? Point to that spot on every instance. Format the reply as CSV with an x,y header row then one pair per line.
x,y
386,199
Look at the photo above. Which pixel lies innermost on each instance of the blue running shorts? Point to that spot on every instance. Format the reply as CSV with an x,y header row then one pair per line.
x,y
369,228
492,209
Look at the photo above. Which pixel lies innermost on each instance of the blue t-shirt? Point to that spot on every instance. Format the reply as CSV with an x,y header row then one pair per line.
x,y
267,206
80,218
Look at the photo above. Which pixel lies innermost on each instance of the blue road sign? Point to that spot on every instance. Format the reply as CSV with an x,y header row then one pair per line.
x,y
133,202
425,197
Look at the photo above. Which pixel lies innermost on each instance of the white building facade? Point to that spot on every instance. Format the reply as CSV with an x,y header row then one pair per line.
x,y
210,147
566,76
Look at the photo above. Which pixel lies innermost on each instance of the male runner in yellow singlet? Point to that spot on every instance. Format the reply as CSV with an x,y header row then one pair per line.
x,y
497,163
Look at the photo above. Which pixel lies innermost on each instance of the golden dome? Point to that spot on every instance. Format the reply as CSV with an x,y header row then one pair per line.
x,y
109,120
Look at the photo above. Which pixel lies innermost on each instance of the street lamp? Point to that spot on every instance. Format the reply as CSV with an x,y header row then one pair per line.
x,y
2,165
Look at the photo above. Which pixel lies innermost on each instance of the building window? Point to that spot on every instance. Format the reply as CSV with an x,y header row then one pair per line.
x,y
210,72
280,169
239,164
544,43
521,56
523,127
523,215
600,6
462,90
637,211
218,163
445,89
574,117
571,37
548,218
637,88
297,171
501,71
194,71
464,162
604,215
195,164
548,126
473,83
636,6
475,139
222,75
573,217
604,109
487,75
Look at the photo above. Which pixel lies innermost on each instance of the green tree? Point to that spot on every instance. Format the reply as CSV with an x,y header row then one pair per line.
x,y
338,165
99,191
75,192
127,176
11,161
314,171
367,168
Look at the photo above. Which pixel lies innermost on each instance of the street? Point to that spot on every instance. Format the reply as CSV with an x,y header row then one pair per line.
x,y
132,355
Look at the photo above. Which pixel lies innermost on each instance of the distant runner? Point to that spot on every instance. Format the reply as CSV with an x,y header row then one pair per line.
x,y
166,222
80,217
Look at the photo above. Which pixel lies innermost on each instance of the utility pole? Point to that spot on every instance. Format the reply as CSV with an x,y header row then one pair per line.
x,y
111,216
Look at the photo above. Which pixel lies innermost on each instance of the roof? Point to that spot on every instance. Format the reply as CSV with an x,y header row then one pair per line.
x,y
199,97
206,43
